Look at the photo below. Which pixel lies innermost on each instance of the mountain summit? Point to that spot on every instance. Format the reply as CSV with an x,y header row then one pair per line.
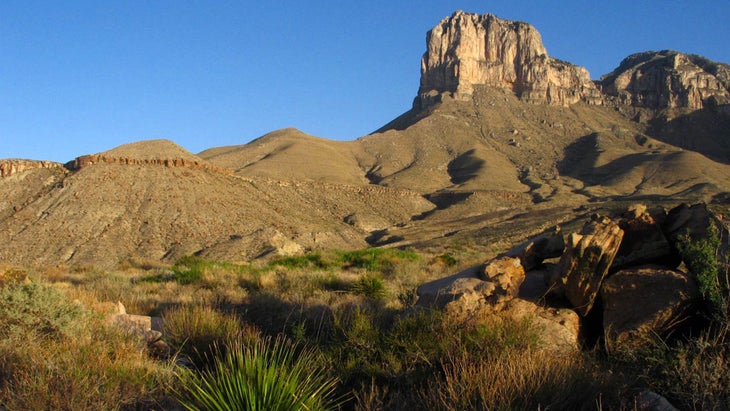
x,y
467,49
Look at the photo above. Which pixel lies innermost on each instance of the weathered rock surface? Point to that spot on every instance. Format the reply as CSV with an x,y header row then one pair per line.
x,y
147,330
643,241
668,79
16,166
479,288
469,49
645,300
587,259
559,328
532,252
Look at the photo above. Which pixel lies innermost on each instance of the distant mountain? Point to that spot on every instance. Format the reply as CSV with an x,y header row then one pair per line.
x,y
501,140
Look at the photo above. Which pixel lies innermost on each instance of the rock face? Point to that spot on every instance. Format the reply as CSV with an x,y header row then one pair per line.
x,y
645,300
469,49
668,79
587,259
13,166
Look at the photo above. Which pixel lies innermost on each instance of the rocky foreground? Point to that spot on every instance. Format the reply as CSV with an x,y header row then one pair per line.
x,y
621,279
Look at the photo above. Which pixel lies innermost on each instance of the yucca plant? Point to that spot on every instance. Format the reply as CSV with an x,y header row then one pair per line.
x,y
261,376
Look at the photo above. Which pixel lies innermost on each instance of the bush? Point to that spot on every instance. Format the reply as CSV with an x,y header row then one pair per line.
x,y
305,261
37,309
376,259
195,330
701,259
260,376
369,285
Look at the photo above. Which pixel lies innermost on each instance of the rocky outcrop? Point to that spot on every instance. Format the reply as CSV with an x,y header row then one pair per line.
x,y
88,160
646,301
587,260
644,242
469,49
15,166
668,79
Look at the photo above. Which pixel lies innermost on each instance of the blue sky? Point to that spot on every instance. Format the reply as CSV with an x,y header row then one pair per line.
x,y
79,77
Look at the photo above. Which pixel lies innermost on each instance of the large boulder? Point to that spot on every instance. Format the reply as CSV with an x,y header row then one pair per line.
x,y
643,241
587,259
646,300
484,287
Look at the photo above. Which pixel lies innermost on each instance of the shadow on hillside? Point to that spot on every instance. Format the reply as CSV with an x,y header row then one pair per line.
x,y
580,158
465,167
706,131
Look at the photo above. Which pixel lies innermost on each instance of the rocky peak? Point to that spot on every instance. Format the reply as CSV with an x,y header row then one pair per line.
x,y
668,79
470,49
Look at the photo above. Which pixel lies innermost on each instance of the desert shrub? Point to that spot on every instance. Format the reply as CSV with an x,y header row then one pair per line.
x,y
513,379
369,285
57,355
376,259
305,261
446,259
701,258
194,330
12,275
38,309
692,374
261,376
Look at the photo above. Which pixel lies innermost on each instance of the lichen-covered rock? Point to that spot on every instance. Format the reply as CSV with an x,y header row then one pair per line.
x,y
469,49
644,301
587,259
668,79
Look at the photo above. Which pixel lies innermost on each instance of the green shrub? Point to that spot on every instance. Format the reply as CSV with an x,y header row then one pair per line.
x,y
369,285
37,309
261,376
305,261
701,259
376,259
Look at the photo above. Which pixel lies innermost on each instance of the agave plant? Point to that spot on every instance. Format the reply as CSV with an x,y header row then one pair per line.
x,y
261,376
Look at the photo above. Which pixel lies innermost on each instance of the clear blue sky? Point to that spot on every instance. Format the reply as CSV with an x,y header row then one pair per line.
x,y
79,77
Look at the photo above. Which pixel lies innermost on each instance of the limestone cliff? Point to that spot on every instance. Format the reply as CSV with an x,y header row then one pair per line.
x,y
15,166
668,79
469,49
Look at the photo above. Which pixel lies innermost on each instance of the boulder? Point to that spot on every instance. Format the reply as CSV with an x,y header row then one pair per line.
x,y
651,401
507,273
532,252
558,327
644,300
587,259
486,287
643,241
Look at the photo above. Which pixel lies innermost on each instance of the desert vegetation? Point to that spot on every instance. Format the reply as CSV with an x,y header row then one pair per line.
x,y
330,330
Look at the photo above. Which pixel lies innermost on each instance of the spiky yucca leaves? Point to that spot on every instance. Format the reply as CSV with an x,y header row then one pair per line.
x,y
262,376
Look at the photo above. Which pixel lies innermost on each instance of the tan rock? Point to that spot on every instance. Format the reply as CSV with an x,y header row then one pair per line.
x,y
507,273
558,328
668,79
587,259
647,300
14,166
469,49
